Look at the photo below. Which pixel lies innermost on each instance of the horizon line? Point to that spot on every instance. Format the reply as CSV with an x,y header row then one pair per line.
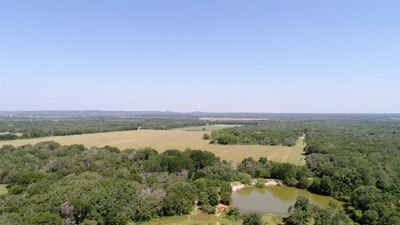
x,y
188,112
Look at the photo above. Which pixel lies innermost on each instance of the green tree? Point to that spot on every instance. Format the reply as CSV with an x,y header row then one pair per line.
x,y
370,217
179,199
225,193
300,213
364,196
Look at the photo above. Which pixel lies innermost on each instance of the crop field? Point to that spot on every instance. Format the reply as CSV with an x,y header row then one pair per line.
x,y
162,140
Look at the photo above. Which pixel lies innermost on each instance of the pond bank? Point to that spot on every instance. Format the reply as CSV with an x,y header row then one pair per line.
x,y
268,183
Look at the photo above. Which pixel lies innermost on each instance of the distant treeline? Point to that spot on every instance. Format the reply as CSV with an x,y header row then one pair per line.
x,y
41,127
8,136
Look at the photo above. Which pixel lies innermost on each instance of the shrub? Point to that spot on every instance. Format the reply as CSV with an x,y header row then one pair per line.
x,y
233,214
252,219
260,183
45,218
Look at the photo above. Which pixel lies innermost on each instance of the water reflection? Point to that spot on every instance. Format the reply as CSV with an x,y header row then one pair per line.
x,y
275,199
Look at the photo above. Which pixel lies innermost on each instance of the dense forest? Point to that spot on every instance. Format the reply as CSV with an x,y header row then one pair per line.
x,y
355,161
53,184
359,163
271,133
31,124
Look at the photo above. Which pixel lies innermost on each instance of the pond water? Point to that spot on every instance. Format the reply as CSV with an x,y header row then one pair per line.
x,y
275,199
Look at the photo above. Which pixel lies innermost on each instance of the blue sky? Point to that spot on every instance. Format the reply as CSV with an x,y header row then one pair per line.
x,y
222,56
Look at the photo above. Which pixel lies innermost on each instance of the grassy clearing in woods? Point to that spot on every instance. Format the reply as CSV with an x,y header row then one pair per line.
x,y
3,189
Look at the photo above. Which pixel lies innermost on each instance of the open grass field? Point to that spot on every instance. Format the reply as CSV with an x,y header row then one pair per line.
x,y
273,219
3,189
200,219
207,219
162,140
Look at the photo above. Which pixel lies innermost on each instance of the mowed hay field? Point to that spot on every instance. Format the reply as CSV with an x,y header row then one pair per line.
x,y
162,140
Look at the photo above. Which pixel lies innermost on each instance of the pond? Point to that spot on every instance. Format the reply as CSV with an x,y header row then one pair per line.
x,y
275,199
